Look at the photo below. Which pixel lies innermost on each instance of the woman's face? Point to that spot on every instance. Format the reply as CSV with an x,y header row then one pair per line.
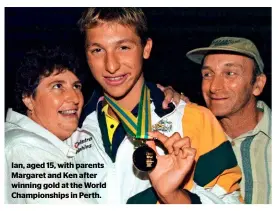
x,y
57,103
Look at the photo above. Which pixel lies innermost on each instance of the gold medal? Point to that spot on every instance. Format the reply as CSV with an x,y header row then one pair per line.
x,y
144,157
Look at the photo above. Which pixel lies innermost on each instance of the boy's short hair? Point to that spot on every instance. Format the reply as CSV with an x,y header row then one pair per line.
x,y
130,16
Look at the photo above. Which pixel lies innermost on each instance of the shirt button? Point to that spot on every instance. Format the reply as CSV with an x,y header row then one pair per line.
x,y
233,143
111,126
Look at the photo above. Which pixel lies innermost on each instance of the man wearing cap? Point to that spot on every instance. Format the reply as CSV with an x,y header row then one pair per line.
x,y
232,78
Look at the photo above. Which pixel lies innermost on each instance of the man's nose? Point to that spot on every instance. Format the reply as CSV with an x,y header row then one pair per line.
x,y
216,84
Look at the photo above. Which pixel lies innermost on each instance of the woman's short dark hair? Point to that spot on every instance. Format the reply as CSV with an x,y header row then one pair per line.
x,y
38,64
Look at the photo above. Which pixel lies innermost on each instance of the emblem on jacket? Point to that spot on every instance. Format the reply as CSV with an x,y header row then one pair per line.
x,y
163,125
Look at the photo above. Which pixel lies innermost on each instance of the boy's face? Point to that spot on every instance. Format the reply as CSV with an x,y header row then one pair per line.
x,y
115,56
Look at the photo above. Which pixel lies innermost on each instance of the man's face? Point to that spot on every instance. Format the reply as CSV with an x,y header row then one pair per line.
x,y
226,83
115,56
57,103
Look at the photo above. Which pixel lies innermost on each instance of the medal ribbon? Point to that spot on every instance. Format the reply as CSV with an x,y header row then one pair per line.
x,y
136,127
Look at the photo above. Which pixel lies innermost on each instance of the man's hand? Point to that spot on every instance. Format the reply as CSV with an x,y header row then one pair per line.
x,y
171,95
172,168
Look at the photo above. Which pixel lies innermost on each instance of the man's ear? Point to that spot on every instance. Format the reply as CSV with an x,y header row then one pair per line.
x,y
148,48
27,100
259,84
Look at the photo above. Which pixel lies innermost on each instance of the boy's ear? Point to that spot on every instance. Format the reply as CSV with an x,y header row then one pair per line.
x,y
148,48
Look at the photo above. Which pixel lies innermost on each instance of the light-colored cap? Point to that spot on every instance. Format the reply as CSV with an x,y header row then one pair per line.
x,y
238,45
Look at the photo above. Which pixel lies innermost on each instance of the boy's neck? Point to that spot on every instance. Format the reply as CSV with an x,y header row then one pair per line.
x,y
132,98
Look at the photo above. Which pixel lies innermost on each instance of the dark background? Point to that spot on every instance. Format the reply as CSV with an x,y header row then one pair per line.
x,y
174,31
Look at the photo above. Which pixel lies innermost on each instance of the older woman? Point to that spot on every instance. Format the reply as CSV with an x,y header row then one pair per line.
x,y
49,103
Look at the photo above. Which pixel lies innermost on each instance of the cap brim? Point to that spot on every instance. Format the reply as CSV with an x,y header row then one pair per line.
x,y
197,55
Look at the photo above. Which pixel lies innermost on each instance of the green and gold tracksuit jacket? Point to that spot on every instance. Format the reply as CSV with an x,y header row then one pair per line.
x,y
214,177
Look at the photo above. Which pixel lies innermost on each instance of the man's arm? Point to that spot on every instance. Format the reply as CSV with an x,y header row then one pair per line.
x,y
171,94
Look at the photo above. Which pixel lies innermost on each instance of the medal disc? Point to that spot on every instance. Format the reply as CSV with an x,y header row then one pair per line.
x,y
144,158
